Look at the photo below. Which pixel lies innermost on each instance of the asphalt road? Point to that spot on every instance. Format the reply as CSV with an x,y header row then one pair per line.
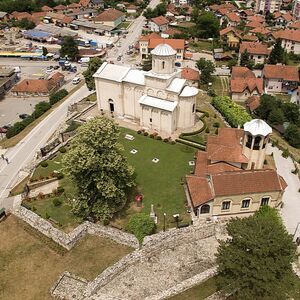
x,y
24,152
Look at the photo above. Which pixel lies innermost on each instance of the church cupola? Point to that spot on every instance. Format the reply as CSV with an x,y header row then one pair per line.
x,y
256,137
163,59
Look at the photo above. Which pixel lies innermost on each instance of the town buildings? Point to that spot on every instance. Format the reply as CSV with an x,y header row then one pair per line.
x,y
158,100
290,40
258,52
296,9
230,178
159,24
265,6
110,17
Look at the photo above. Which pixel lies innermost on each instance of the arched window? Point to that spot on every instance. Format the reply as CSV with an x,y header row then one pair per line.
x,y
246,203
193,109
111,105
204,209
163,64
256,142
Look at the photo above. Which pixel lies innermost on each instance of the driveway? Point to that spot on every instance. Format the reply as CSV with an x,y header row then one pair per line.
x,y
291,198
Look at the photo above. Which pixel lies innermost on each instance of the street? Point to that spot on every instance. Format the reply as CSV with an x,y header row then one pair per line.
x,y
24,152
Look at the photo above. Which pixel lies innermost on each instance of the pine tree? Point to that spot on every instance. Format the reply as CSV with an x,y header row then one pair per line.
x,y
277,54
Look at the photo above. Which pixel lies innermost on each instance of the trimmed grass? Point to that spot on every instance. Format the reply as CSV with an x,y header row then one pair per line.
x,y
198,292
124,25
19,188
201,45
29,266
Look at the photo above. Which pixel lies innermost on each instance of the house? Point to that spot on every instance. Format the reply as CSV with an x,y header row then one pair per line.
x,y
58,19
290,40
280,78
159,24
46,8
231,37
229,178
131,9
295,98
169,33
20,15
60,8
283,20
191,75
245,13
8,77
296,9
96,4
158,100
38,87
38,17
110,17
258,52
252,103
181,2
148,43
294,25
232,18
74,6
83,14
3,16
244,84
260,31
256,18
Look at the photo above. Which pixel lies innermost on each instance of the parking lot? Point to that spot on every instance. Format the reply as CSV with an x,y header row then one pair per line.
x,y
11,107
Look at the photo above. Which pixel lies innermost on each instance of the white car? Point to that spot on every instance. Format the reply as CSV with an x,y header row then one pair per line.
x,y
49,70
76,80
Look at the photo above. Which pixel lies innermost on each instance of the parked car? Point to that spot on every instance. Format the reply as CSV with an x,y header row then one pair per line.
x,y
49,69
76,80
23,116
56,67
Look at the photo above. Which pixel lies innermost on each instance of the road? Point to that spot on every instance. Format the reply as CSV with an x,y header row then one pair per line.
x,y
24,152
134,31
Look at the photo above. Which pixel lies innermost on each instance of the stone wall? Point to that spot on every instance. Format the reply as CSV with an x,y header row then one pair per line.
x,y
68,240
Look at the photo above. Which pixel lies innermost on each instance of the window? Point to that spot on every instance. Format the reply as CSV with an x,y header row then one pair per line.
x,y
246,203
163,64
204,209
264,201
150,120
193,110
225,205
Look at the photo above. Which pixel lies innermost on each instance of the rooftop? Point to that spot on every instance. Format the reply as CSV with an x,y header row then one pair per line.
x,y
109,15
288,73
161,20
163,50
257,127
158,103
254,48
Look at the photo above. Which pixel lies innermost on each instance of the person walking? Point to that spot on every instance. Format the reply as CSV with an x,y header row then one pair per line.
x,y
2,156
6,159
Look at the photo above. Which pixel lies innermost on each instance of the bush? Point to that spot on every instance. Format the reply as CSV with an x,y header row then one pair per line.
x,y
151,136
146,133
58,96
141,225
216,124
57,202
60,189
159,138
47,216
72,126
59,176
62,150
233,113
44,164
139,132
285,153
207,130
166,140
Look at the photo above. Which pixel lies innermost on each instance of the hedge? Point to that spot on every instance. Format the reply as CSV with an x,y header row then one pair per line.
x,y
58,96
233,113
191,144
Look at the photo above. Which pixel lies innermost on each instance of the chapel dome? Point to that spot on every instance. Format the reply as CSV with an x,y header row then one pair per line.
x,y
163,50
257,127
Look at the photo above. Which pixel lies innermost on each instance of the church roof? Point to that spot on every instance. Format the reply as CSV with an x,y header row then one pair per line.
x,y
176,85
158,103
135,76
189,91
163,50
257,127
112,72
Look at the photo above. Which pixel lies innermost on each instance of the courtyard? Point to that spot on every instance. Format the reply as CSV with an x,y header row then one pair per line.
x,y
160,183
30,263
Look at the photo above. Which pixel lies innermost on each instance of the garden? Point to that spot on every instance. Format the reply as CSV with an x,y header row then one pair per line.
x,y
160,183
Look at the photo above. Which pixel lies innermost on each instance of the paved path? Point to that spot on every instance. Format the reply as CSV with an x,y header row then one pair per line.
x,y
291,198
24,152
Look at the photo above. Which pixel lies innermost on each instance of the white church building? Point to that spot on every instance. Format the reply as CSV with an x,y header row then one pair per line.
x,y
158,100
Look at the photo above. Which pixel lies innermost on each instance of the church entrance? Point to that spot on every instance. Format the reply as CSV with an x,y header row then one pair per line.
x,y
111,105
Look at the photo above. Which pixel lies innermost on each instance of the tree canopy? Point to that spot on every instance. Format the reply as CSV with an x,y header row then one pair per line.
x,y
277,54
206,67
256,262
97,167
246,61
94,64
207,25
69,48
159,10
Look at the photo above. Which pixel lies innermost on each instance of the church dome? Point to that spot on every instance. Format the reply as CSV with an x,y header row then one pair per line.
x,y
163,50
257,127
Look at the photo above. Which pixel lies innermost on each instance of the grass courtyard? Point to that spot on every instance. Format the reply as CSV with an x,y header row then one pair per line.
x,y
29,266
160,183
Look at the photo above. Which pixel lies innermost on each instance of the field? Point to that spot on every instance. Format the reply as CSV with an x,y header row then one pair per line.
x,y
29,267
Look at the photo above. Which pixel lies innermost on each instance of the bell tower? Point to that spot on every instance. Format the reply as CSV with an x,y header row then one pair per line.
x,y
256,137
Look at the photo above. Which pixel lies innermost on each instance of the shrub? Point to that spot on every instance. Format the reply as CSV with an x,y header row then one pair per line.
x,y
141,225
44,164
40,195
285,153
146,133
166,140
152,136
217,130
207,130
159,138
172,142
57,202
139,132
216,124
233,113
62,150
72,126
47,216
60,189
58,96
59,176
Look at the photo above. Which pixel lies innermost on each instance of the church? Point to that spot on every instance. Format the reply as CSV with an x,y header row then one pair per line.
x,y
158,100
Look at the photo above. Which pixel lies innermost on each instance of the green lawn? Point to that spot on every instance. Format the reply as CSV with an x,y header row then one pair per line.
x,y
201,45
123,25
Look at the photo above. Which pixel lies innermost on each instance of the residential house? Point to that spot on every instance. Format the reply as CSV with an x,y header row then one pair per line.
x,y
20,15
282,20
252,103
280,79
245,13
38,87
159,24
216,8
149,42
83,14
131,9
169,33
110,17
296,9
244,84
38,17
96,4
191,75
256,18
3,16
295,98
181,2
231,37
74,6
60,8
232,18
261,31
265,6
58,19
229,178
258,52
290,40
46,8
8,77
294,25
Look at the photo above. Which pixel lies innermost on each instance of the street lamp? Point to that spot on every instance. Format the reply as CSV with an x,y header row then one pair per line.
x,y
165,221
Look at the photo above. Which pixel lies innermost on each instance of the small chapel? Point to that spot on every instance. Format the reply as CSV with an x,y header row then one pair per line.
x,y
158,99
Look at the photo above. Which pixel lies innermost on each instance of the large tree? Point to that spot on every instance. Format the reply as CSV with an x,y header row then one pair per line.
x,y
94,64
96,165
277,54
246,61
292,135
256,261
69,48
206,67
207,25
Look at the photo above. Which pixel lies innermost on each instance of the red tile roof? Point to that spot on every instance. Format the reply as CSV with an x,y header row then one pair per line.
x,y
295,25
190,74
233,17
47,8
254,24
254,48
261,30
161,20
226,146
172,31
174,43
230,29
109,15
288,73
60,7
84,3
287,34
241,72
246,182
228,6
253,102
256,18
21,15
248,37
74,5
